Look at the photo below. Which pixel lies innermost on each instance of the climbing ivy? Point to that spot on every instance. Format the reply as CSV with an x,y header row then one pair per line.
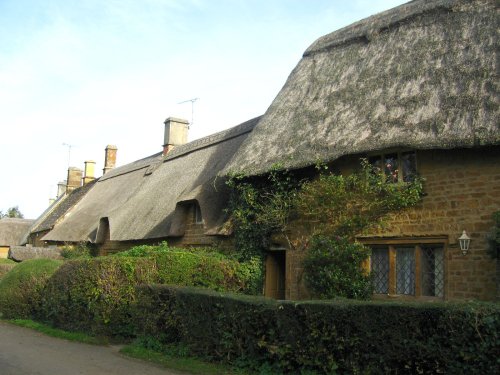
x,y
323,215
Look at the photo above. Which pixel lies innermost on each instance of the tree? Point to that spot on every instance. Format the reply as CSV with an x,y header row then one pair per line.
x,y
12,212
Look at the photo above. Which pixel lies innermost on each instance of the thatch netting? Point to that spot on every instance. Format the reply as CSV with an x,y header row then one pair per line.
x,y
423,75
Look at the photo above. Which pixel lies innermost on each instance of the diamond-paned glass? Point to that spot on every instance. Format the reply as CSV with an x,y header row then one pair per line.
x,y
432,266
380,269
405,270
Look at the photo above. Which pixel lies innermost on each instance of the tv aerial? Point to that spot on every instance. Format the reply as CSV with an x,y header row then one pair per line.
x,y
192,109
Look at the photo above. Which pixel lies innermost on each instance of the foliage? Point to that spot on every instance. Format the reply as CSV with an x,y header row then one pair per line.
x,y
333,268
341,336
79,251
349,205
260,207
206,267
335,206
21,289
12,212
5,266
98,294
95,295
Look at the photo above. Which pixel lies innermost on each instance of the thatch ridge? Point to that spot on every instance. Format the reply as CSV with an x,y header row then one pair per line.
x,y
429,80
369,27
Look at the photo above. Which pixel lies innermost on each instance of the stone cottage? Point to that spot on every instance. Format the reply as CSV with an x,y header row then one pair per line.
x,y
414,88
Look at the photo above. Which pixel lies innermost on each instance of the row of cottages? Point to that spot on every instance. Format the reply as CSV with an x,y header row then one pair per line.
x,y
414,88
174,195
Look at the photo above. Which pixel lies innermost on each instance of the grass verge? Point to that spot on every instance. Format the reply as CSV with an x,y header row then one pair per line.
x,y
174,361
59,333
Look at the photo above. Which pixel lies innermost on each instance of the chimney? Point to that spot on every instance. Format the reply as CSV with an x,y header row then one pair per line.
x,y
61,188
74,179
109,158
89,172
176,130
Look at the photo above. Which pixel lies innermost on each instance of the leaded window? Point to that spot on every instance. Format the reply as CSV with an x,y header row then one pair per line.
x,y
413,270
396,166
380,270
432,264
405,270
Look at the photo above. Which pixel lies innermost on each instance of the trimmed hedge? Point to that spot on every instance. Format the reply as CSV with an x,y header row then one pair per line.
x,y
21,288
96,295
344,337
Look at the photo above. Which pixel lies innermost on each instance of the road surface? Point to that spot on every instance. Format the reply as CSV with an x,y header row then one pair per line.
x,y
27,352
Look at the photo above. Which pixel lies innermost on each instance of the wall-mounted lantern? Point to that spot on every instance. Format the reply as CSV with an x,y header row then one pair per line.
x,y
464,241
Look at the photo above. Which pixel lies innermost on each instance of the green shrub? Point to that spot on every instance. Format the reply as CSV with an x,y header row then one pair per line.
x,y
341,337
203,267
333,267
21,288
95,294
5,266
98,294
81,250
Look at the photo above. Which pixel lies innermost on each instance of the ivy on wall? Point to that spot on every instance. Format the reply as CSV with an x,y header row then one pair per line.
x,y
322,215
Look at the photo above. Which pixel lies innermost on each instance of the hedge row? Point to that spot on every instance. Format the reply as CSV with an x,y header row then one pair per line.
x,y
342,337
96,295
21,288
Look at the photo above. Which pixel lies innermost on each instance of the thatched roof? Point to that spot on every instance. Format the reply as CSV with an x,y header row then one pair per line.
x,y
21,253
144,199
423,75
12,230
59,208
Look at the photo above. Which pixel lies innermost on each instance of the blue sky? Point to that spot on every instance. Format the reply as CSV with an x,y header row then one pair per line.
x,y
90,73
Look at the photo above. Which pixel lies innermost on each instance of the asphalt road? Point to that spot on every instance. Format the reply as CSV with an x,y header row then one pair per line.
x,y
27,352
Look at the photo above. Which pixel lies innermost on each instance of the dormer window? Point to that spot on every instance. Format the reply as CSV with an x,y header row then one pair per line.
x,y
396,166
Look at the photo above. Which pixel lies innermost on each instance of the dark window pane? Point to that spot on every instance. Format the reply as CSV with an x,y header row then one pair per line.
x,y
409,164
376,163
391,167
405,270
380,269
432,263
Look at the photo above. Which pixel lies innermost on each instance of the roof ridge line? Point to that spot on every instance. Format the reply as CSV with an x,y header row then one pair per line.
x,y
365,29
212,139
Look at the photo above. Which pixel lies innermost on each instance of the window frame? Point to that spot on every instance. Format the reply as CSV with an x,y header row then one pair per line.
x,y
399,153
417,244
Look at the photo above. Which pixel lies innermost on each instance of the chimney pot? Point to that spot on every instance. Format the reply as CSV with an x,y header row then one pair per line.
x,y
176,132
109,158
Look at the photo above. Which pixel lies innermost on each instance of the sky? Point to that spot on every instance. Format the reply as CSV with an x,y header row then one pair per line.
x,y
77,75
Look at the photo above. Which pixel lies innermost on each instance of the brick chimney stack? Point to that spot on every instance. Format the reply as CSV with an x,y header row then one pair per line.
x,y
109,158
89,172
74,179
176,131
